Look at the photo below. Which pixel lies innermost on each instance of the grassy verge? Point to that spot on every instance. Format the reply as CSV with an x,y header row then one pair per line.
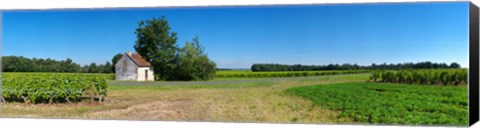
x,y
385,103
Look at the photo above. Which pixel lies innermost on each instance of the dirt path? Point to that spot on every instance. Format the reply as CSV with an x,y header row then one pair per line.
x,y
161,109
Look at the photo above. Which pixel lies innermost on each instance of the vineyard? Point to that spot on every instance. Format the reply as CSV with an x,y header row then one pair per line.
x,y
422,76
53,87
390,103
250,74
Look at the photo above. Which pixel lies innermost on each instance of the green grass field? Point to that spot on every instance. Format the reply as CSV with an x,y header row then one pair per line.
x,y
258,100
386,103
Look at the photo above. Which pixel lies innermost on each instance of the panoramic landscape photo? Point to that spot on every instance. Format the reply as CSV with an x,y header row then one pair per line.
x,y
387,64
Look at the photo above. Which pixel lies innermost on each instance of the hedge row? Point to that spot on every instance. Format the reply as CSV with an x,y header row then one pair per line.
x,y
249,74
423,76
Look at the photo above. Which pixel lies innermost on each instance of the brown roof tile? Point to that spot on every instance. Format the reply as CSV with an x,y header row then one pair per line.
x,y
138,59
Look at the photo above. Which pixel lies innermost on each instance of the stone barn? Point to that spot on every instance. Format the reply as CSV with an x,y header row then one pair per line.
x,y
133,67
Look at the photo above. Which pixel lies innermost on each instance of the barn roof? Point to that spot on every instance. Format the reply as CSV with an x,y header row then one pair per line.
x,y
138,59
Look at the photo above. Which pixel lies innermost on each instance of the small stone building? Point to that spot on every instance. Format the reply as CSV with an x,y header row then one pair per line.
x,y
133,67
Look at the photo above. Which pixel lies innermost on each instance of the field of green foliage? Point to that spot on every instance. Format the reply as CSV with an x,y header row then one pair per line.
x,y
421,76
52,87
389,103
250,74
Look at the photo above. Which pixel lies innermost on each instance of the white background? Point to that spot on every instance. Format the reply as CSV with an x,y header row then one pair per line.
x,y
70,123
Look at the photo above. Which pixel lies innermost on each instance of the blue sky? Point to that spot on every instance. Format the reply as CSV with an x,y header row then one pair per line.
x,y
237,37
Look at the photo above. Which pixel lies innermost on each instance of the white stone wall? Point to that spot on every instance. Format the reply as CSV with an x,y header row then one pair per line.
x,y
141,73
125,71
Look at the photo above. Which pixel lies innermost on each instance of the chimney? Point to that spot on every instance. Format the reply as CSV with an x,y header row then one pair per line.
x,y
129,53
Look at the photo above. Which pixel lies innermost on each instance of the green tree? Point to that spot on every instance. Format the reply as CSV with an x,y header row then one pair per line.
x,y
157,44
107,68
93,68
454,65
193,63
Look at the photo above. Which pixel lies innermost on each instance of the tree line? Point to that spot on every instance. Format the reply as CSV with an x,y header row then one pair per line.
x,y
299,67
23,64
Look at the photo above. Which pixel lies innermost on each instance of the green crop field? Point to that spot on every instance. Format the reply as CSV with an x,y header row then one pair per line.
x,y
340,97
422,76
250,74
385,103
52,87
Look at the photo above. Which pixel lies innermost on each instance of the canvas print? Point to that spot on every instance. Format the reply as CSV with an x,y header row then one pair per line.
x,y
374,64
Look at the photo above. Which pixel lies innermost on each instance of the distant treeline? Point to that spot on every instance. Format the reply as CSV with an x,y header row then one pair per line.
x,y
298,67
23,64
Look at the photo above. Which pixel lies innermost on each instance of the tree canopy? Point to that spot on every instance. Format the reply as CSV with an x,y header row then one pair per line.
x,y
157,43
193,64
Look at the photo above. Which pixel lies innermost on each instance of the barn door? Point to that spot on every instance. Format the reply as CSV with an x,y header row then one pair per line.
x,y
146,75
